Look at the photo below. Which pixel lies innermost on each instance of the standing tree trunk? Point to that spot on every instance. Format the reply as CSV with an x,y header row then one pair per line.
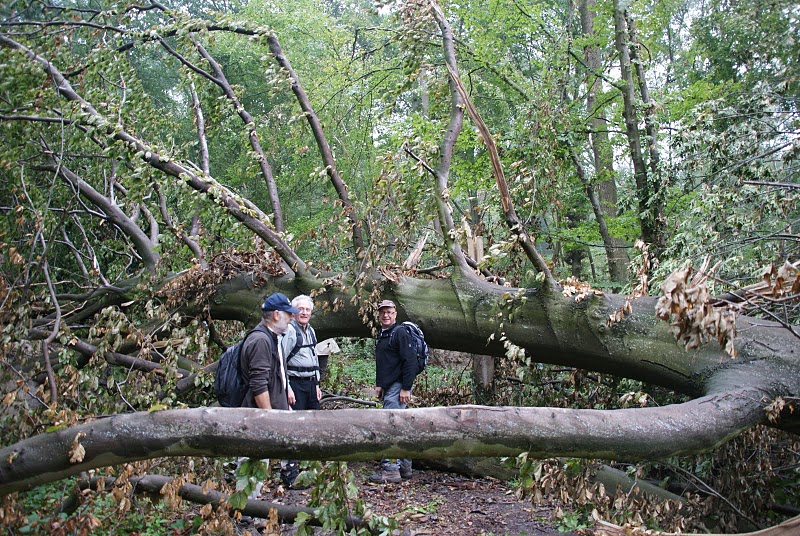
x,y
483,376
650,202
605,185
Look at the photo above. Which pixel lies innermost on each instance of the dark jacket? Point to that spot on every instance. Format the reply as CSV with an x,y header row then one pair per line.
x,y
262,370
395,358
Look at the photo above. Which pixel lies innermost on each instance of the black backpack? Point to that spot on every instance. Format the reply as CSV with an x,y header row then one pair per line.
x,y
228,383
420,346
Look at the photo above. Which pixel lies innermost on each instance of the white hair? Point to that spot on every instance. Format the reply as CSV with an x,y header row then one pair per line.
x,y
302,298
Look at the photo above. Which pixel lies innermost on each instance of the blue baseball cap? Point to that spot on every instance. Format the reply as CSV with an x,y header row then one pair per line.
x,y
278,302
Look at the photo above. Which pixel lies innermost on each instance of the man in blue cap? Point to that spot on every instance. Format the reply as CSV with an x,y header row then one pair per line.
x,y
261,363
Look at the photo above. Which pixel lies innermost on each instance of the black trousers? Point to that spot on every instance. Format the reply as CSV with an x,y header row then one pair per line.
x,y
305,393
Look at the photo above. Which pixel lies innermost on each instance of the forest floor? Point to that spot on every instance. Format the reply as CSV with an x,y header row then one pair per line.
x,y
444,504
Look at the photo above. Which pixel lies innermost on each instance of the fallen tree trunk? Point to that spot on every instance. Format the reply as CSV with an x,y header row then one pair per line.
x,y
473,467
477,317
365,434
153,484
610,477
255,508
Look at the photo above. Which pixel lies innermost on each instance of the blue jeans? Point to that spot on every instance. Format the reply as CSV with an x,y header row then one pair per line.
x,y
391,400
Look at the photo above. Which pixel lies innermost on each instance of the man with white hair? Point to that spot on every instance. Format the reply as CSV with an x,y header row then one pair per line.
x,y
302,368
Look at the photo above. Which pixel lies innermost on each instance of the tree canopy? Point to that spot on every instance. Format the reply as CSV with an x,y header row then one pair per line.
x,y
609,186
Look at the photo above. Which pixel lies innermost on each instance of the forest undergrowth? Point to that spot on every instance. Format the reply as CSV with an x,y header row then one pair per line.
x,y
751,482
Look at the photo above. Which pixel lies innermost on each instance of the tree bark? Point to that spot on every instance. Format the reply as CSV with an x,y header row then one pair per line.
x,y
364,434
649,204
602,150
483,379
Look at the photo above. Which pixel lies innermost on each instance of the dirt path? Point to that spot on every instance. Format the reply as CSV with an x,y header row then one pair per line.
x,y
443,504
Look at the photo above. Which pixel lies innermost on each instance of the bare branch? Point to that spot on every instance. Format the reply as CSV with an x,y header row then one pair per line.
x,y
154,232
254,508
35,119
421,162
51,377
787,185
141,242
241,209
75,253
182,235
112,358
250,125
322,145
90,249
200,121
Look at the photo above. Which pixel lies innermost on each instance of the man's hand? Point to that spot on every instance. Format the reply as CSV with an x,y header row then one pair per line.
x,y
379,392
405,396
319,393
291,397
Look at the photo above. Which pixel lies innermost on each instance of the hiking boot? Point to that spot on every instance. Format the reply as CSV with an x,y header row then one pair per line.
x,y
385,476
405,469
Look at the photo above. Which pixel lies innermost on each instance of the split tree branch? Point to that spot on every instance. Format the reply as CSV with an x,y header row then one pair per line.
x,y
447,148
512,220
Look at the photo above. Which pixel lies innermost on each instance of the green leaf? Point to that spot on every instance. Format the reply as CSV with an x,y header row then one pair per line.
x,y
238,500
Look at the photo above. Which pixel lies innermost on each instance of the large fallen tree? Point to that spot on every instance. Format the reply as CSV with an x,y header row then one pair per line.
x,y
751,377
734,393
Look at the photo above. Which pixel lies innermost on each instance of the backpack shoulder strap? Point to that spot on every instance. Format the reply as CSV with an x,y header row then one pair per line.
x,y
313,338
260,328
392,332
298,342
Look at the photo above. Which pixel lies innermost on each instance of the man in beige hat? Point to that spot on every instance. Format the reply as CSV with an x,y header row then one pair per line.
x,y
395,370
